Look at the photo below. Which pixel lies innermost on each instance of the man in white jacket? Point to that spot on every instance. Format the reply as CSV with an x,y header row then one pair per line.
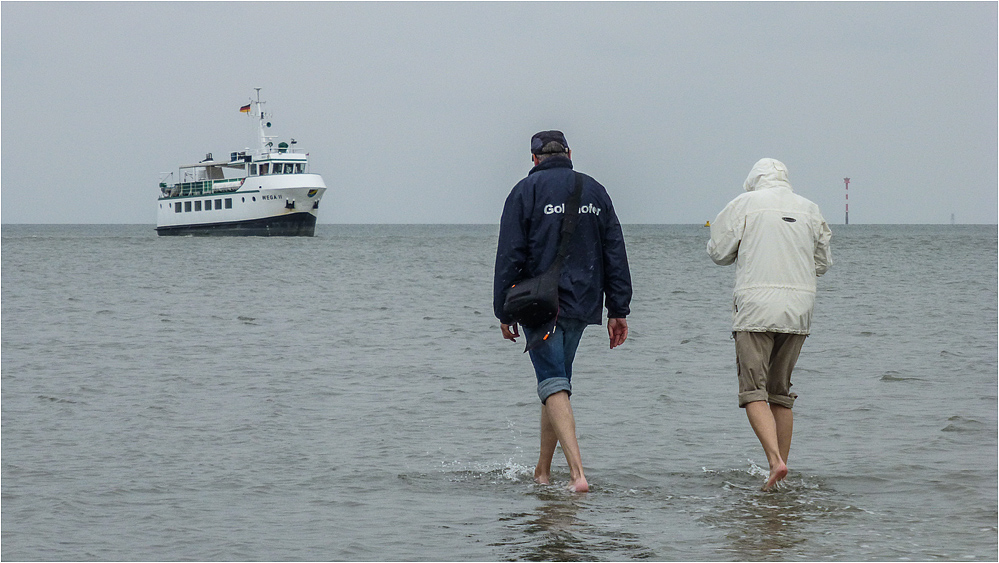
x,y
779,242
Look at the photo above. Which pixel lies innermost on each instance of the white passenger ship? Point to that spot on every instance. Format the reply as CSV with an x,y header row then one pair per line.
x,y
267,192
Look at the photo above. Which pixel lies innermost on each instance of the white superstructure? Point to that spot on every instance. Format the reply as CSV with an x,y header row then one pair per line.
x,y
266,192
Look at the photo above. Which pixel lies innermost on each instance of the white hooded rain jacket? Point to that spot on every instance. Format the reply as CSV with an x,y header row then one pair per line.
x,y
779,242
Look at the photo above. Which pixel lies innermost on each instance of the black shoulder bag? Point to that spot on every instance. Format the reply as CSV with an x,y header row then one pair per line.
x,y
534,302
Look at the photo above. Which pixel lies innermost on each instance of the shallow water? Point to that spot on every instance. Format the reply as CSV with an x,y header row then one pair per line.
x,y
349,397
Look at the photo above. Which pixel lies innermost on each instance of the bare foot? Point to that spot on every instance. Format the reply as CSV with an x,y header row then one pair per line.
x,y
776,474
541,478
579,485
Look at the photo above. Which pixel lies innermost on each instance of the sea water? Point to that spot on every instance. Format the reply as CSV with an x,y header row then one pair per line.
x,y
349,397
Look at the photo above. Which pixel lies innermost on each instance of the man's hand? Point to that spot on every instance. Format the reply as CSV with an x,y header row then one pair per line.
x,y
510,332
617,329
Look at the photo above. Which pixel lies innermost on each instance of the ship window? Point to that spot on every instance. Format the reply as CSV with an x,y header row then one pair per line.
x,y
197,205
187,206
298,168
263,169
208,205
253,170
176,207
228,203
276,168
254,198
289,168
218,204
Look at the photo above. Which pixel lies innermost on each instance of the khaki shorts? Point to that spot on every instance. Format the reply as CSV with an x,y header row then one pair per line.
x,y
765,361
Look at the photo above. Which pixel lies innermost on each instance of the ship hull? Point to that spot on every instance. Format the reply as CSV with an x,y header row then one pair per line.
x,y
292,225
283,206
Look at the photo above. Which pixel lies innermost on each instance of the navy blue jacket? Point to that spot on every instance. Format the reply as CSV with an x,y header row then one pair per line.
x,y
596,265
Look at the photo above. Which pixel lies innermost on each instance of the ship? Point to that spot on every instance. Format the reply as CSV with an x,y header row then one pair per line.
x,y
265,192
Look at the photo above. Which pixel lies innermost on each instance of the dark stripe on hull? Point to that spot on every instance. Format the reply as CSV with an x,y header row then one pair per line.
x,y
293,225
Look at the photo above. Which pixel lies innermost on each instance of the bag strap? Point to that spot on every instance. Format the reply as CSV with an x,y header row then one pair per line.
x,y
569,219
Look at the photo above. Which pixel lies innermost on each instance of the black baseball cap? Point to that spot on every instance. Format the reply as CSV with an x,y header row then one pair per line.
x,y
539,140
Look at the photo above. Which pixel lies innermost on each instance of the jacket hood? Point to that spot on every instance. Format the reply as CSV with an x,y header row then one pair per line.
x,y
553,162
767,173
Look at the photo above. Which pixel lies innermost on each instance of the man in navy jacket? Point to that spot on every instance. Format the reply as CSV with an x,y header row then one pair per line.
x,y
595,273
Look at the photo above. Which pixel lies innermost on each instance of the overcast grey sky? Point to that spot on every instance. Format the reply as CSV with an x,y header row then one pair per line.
x,y
423,112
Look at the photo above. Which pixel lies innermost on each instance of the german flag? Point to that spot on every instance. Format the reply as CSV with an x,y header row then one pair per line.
x,y
245,109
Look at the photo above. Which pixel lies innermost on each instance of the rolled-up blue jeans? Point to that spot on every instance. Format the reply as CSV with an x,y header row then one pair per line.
x,y
553,359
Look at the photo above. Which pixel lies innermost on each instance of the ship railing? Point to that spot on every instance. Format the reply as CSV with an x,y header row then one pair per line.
x,y
269,151
205,187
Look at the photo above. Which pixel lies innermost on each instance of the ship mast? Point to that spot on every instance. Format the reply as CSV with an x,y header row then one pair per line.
x,y
263,124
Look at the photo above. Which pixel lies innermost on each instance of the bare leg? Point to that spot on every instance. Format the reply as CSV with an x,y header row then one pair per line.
x,y
784,418
762,421
542,472
564,424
